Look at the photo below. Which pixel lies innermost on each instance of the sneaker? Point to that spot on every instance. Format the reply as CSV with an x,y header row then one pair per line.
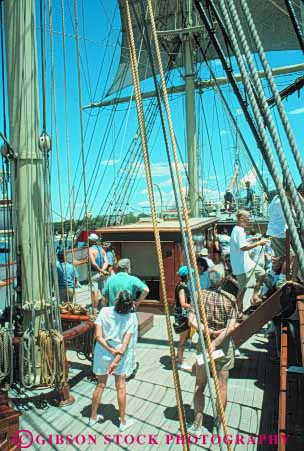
x,y
93,421
193,430
184,366
124,426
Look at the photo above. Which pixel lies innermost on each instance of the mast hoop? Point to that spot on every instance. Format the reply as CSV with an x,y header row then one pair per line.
x,y
45,142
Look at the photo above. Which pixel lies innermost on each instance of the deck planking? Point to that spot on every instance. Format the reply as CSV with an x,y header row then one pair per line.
x,y
151,398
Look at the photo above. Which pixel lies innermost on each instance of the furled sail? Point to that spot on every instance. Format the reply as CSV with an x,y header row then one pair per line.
x,y
271,19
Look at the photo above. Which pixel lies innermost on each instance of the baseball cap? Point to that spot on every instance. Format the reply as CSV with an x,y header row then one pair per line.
x,y
93,237
124,263
203,252
183,271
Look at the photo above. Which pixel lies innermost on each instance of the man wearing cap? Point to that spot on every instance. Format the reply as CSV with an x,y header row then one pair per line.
x,y
107,247
67,278
221,313
124,281
204,253
121,281
276,229
99,263
229,199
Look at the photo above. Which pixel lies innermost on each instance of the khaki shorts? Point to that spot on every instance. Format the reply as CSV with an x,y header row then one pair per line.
x,y
248,279
279,247
224,363
97,281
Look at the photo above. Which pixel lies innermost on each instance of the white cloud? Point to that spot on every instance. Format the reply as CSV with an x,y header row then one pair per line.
x,y
168,200
167,182
213,177
212,194
224,132
239,111
157,169
109,162
296,111
162,169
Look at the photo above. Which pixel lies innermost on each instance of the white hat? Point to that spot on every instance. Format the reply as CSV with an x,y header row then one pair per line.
x,y
203,252
93,237
124,263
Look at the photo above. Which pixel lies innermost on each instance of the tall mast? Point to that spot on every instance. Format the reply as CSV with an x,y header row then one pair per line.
x,y
192,149
28,190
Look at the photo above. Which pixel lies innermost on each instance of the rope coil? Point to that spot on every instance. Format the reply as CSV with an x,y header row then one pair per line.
x,y
52,358
6,353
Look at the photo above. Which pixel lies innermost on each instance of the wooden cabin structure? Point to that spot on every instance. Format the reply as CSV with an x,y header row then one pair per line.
x,y
136,242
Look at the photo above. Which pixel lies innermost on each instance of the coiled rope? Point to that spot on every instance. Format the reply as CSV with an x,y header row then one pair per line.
x,y
6,353
52,358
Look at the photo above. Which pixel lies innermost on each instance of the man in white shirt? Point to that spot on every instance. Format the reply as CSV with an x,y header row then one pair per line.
x,y
277,230
247,272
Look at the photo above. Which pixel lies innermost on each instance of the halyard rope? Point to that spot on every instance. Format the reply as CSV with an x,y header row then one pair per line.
x,y
187,222
140,113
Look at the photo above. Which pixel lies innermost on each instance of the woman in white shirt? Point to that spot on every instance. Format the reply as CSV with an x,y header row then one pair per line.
x,y
113,353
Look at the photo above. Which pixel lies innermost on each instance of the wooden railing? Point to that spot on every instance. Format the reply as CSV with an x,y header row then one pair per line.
x,y
283,386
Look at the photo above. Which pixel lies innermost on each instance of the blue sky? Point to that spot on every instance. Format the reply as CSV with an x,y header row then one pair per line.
x,y
107,139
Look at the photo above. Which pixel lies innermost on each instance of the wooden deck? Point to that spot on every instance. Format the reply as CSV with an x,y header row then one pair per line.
x,y
252,407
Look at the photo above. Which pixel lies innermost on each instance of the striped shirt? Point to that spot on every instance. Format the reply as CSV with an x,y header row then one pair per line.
x,y
220,307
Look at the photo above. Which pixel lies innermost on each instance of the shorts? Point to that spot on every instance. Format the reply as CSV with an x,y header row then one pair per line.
x,y
66,295
248,279
224,363
97,281
279,247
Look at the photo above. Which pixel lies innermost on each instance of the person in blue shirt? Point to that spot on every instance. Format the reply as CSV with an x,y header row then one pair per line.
x,y
67,278
203,273
99,264
110,253
122,281
224,241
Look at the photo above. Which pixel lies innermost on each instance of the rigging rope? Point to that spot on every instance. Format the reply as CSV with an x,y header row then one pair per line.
x,y
274,90
50,12
295,23
235,124
184,239
265,111
270,159
140,113
186,218
67,143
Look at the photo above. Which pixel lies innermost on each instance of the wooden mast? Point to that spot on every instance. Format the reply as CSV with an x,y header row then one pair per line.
x,y
28,190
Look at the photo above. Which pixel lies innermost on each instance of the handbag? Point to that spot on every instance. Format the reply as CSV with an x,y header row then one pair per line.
x,y
182,326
